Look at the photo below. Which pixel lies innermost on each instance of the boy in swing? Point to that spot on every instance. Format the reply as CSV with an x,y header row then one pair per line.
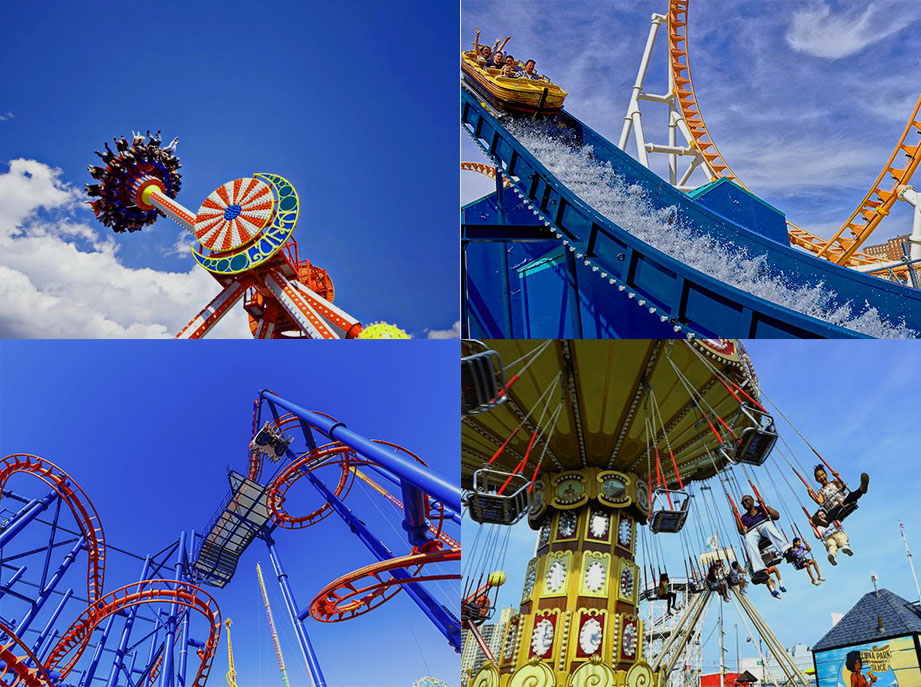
x,y
802,559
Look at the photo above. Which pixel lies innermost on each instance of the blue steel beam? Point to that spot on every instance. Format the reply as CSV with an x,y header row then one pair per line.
x,y
50,547
433,610
36,645
46,593
166,672
184,638
310,656
43,652
26,515
414,510
410,471
119,658
13,578
41,549
90,673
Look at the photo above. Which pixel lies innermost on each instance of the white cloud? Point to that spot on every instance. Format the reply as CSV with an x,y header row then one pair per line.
x,y
452,333
60,279
779,163
6,117
817,31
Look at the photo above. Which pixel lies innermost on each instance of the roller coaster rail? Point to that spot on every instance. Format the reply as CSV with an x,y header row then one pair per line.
x,y
685,115
423,492
53,655
72,651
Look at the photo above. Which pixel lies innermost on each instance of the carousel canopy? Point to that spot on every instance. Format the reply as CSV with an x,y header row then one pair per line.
x,y
608,404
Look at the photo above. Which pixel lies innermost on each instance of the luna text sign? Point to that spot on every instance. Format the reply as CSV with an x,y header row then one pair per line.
x,y
890,663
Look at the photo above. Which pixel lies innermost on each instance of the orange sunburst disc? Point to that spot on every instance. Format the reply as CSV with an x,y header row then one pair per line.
x,y
234,214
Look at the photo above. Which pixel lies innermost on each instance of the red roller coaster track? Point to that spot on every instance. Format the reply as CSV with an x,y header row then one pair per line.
x,y
77,636
342,599
183,594
79,504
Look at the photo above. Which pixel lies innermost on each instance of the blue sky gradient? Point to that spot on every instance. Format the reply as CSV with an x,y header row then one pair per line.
x,y
806,100
852,401
346,100
148,431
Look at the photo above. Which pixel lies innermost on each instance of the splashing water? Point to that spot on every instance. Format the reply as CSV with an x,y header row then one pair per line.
x,y
628,206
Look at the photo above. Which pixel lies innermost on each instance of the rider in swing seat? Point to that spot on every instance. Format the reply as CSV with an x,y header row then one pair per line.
x,y
831,498
802,560
665,592
754,524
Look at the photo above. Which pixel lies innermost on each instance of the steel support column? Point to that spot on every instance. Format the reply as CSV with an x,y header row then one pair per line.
x,y
97,654
36,645
410,471
310,657
167,671
122,649
433,610
26,514
45,593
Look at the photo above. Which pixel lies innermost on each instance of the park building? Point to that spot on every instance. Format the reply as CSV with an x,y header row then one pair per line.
x,y
880,637
472,658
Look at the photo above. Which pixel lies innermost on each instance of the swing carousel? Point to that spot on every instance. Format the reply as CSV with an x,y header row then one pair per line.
x,y
590,440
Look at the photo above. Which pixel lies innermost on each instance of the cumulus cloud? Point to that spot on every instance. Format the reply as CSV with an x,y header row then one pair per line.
x,y
452,333
818,31
60,278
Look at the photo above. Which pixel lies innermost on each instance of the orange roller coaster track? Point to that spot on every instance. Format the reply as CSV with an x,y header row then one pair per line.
x,y
488,170
76,638
78,502
367,588
878,200
13,670
186,595
882,196
330,454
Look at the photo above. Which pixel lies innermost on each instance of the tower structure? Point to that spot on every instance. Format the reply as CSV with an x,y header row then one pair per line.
x,y
244,232
231,671
268,613
629,423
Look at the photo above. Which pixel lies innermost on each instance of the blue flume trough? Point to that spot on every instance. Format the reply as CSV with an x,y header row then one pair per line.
x,y
536,287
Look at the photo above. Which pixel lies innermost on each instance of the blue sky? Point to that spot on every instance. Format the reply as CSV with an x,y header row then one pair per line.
x,y
806,100
852,401
346,100
148,431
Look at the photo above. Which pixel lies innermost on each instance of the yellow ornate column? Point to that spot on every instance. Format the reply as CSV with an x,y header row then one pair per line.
x,y
578,623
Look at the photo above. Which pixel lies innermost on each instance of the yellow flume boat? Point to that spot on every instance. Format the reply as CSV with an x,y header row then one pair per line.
x,y
516,95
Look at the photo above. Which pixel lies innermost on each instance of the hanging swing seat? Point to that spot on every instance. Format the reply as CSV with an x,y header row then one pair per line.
x,y
769,553
476,611
760,577
487,506
482,380
756,441
839,510
668,510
